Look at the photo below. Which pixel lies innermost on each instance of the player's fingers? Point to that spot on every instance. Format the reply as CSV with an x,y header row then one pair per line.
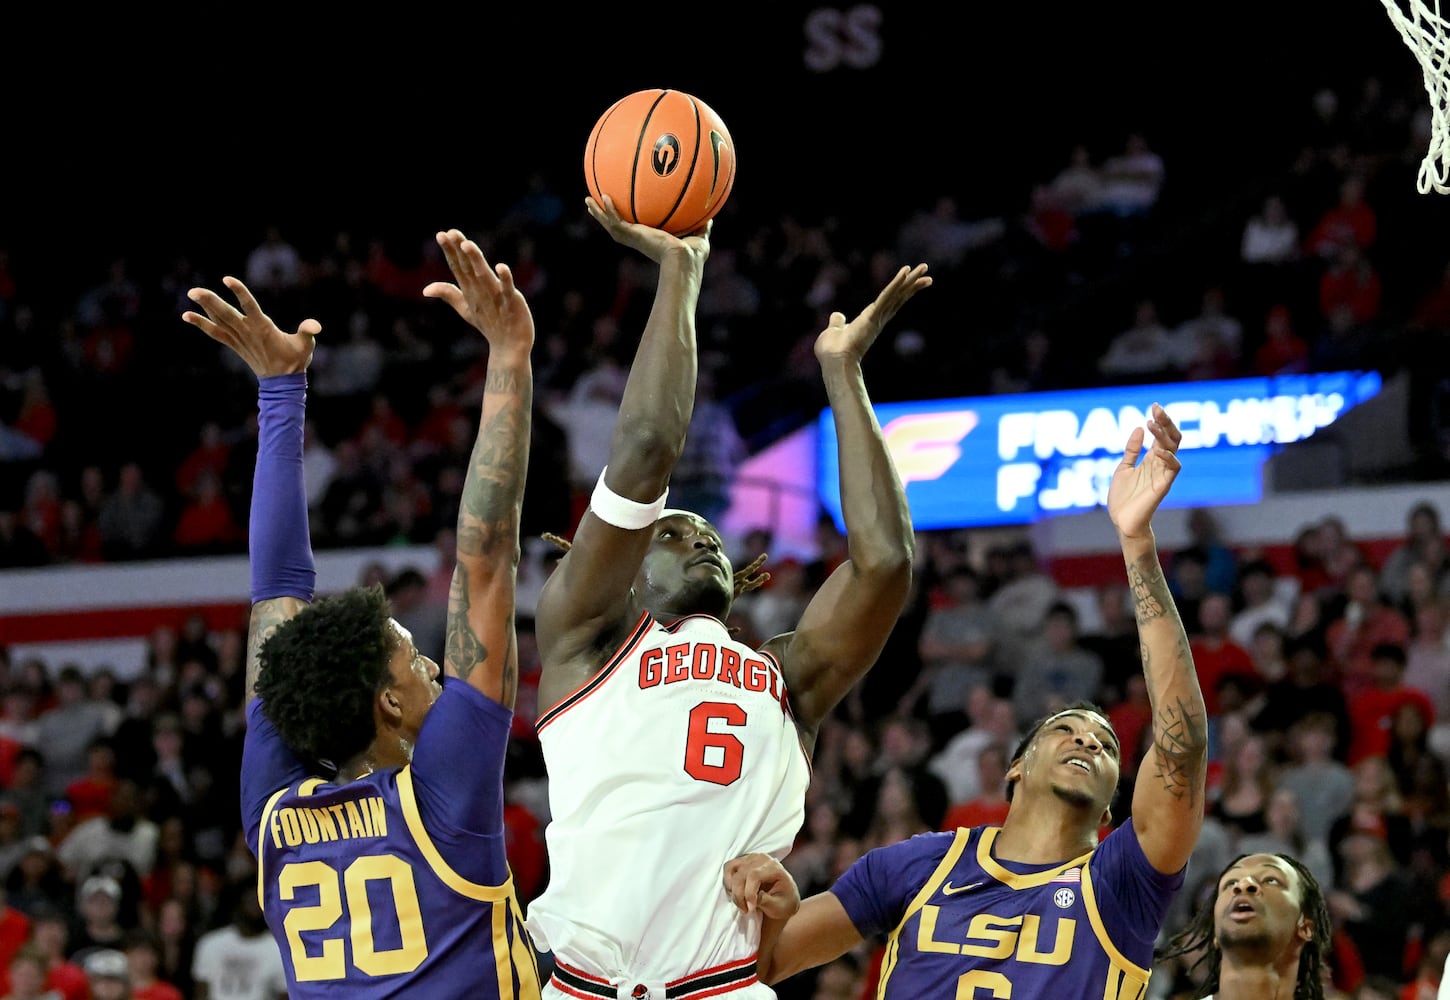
x,y
1133,449
449,293
1165,423
204,324
505,278
448,243
309,328
244,296
215,307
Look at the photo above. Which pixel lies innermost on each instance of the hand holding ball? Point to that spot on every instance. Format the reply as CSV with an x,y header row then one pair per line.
x,y
665,157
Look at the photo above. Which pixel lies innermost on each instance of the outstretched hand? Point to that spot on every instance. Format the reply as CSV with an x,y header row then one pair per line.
x,y
249,332
759,882
484,296
852,340
1137,488
653,243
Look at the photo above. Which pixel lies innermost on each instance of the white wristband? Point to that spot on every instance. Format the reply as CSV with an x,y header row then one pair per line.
x,y
611,508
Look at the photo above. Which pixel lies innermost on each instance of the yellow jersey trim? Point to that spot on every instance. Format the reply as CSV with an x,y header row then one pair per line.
x,y
262,842
928,888
1090,903
1012,879
472,890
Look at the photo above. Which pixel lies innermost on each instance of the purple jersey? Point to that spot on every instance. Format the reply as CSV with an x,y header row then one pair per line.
x,y
961,924
395,884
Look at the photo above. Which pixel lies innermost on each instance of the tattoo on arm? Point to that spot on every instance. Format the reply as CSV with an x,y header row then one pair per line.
x,y
502,380
1180,735
266,617
1150,593
465,650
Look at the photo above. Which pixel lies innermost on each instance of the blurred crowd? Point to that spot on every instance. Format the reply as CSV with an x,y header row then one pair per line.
x,y
1327,674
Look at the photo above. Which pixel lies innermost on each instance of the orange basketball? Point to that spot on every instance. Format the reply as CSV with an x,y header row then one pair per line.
x,y
665,158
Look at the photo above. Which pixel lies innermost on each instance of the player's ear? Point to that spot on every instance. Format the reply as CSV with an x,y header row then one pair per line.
x,y
1107,819
388,704
1305,930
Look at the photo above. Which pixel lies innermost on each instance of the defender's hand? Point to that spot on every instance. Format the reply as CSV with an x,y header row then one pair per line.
x,y
251,333
852,340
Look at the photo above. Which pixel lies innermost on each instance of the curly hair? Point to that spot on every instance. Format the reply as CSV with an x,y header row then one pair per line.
x,y
321,670
1201,934
1036,727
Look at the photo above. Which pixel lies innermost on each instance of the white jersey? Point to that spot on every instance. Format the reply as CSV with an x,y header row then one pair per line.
x,y
678,756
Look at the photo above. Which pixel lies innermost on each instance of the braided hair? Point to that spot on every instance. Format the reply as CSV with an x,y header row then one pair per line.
x,y
1201,934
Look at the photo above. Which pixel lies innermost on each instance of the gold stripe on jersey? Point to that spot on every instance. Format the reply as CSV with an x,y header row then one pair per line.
x,y
1126,980
928,889
525,961
262,843
472,890
1012,879
309,786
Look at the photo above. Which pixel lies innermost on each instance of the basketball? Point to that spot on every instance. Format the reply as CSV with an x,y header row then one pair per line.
x,y
665,157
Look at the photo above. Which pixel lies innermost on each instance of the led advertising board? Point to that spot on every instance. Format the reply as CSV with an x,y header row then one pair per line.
x,y
1013,459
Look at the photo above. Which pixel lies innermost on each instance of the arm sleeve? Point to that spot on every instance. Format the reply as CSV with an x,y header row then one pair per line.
x,y
458,765
280,547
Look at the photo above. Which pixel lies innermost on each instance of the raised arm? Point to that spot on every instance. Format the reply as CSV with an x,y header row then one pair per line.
x,y
846,624
482,595
588,593
1168,797
283,575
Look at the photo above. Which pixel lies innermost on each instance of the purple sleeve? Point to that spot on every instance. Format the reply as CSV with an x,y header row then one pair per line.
x,y
876,890
1133,896
458,777
267,765
279,544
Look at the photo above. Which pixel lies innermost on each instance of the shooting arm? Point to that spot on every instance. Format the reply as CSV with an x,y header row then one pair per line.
x,y
591,586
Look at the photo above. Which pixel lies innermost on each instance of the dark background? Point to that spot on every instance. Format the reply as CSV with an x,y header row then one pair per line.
x,y
194,132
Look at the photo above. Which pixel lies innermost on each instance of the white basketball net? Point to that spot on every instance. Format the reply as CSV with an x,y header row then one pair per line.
x,y
1428,36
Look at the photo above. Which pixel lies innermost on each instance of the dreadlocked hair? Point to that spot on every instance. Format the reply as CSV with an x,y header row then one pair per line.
x,y
321,670
1199,934
746,579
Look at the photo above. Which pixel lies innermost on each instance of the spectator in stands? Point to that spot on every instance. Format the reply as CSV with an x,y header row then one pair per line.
x,y
1057,670
68,729
1349,222
956,655
1373,709
1307,686
1258,602
1282,351
1425,543
239,959
132,518
1241,800
1377,904
1323,787
1365,624
1144,352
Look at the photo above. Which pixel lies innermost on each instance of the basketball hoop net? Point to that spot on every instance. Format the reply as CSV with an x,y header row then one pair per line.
x,y
1428,36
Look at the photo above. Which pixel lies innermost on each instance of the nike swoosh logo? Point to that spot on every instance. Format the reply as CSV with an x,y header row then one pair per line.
x,y
951,890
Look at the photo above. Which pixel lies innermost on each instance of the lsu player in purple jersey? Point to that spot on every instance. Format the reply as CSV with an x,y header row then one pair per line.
x,y
1036,907
372,791
671,747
